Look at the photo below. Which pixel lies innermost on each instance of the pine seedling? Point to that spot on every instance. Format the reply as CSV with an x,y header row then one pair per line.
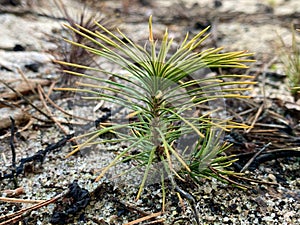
x,y
175,119
72,53
290,57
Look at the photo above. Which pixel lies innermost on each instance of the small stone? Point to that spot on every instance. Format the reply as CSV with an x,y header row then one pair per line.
x,y
34,67
18,48
272,178
217,3
207,189
287,216
225,219
210,218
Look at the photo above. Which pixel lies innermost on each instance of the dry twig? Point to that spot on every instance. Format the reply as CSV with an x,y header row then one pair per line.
x,y
253,158
25,99
18,200
19,215
62,110
40,91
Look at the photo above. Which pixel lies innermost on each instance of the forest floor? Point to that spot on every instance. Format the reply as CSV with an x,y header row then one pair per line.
x,y
30,39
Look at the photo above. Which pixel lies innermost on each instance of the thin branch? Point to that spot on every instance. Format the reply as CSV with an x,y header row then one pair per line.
x,y
131,207
13,151
49,111
25,99
191,200
254,157
60,109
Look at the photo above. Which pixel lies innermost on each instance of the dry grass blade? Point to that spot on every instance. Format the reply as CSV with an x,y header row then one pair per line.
x,y
258,113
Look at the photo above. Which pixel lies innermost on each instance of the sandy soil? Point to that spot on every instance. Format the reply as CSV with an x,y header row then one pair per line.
x,y
30,40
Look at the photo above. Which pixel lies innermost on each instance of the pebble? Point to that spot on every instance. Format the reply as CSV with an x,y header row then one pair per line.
x,y
207,189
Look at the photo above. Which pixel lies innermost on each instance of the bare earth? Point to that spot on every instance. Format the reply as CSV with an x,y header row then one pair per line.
x,y
29,40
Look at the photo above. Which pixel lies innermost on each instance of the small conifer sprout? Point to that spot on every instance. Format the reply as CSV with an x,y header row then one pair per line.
x,y
175,118
290,57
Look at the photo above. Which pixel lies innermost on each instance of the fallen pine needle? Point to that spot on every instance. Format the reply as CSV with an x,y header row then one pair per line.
x,y
143,219
18,200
